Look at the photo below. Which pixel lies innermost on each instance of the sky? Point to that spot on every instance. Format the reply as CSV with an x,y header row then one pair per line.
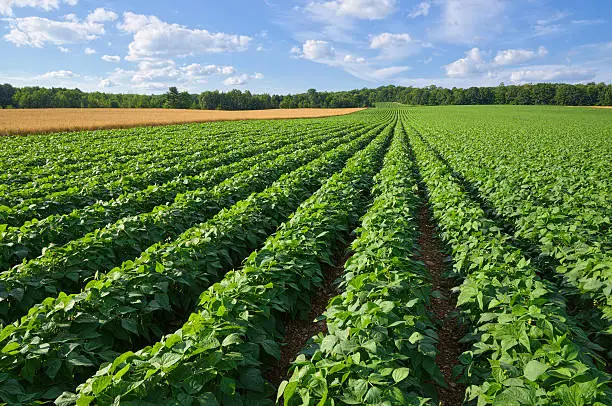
x,y
281,47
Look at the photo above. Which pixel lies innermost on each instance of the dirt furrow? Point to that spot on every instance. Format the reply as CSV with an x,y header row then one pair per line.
x,y
444,308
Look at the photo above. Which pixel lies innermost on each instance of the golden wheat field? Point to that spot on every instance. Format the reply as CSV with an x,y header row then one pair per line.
x,y
32,121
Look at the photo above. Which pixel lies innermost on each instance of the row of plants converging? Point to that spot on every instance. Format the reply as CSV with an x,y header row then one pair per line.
x,y
219,354
563,220
143,299
182,289
524,348
28,159
379,347
116,183
27,241
65,268
56,177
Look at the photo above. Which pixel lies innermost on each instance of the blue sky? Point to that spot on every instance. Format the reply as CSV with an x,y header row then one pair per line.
x,y
289,46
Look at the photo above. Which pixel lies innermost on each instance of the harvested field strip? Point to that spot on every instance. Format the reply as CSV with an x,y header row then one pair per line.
x,y
36,121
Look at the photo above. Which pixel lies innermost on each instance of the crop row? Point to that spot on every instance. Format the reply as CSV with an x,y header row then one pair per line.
x,y
549,196
139,301
27,241
46,154
65,268
379,347
79,196
525,349
173,159
219,354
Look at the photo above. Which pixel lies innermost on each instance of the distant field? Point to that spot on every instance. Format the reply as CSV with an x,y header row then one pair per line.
x,y
31,121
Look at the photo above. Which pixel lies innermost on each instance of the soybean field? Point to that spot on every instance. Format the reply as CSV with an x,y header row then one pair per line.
x,y
394,256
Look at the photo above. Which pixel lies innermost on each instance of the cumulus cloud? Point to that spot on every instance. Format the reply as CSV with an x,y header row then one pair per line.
x,y
243,79
472,63
358,9
552,74
100,15
58,74
63,50
154,75
6,6
349,58
421,9
396,45
315,50
517,56
323,52
111,58
89,51
153,38
475,62
38,31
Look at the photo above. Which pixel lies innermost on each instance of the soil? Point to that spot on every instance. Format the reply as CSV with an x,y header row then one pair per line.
x,y
298,331
444,308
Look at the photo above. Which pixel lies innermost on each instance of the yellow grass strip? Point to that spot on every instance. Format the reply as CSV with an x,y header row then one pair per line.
x,y
34,121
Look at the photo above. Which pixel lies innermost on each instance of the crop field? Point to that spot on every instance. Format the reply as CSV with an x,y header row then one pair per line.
x,y
31,121
394,256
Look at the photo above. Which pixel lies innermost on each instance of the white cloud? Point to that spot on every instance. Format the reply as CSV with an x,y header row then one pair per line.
x,y
63,50
358,9
552,73
196,70
6,6
111,58
324,53
89,51
38,31
154,38
348,58
470,21
158,75
100,15
517,56
107,83
472,63
316,50
58,74
396,46
243,79
421,9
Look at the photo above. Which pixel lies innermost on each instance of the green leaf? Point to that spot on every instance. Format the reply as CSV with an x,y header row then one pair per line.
x,y
534,369
231,339
130,325
400,374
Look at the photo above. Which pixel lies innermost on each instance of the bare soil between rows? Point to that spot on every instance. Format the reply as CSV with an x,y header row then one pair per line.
x,y
298,331
38,121
444,308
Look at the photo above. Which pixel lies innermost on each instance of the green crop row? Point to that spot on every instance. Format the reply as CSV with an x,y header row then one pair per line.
x,y
143,299
525,349
27,241
66,268
118,183
221,351
379,347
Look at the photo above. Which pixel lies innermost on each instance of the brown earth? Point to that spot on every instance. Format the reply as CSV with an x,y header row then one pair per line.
x,y
33,121
601,107
444,308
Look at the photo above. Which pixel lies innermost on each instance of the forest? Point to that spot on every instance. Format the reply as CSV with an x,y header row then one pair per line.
x,y
590,94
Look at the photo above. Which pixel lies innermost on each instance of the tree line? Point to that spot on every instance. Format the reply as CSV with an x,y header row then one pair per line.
x,y
590,94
